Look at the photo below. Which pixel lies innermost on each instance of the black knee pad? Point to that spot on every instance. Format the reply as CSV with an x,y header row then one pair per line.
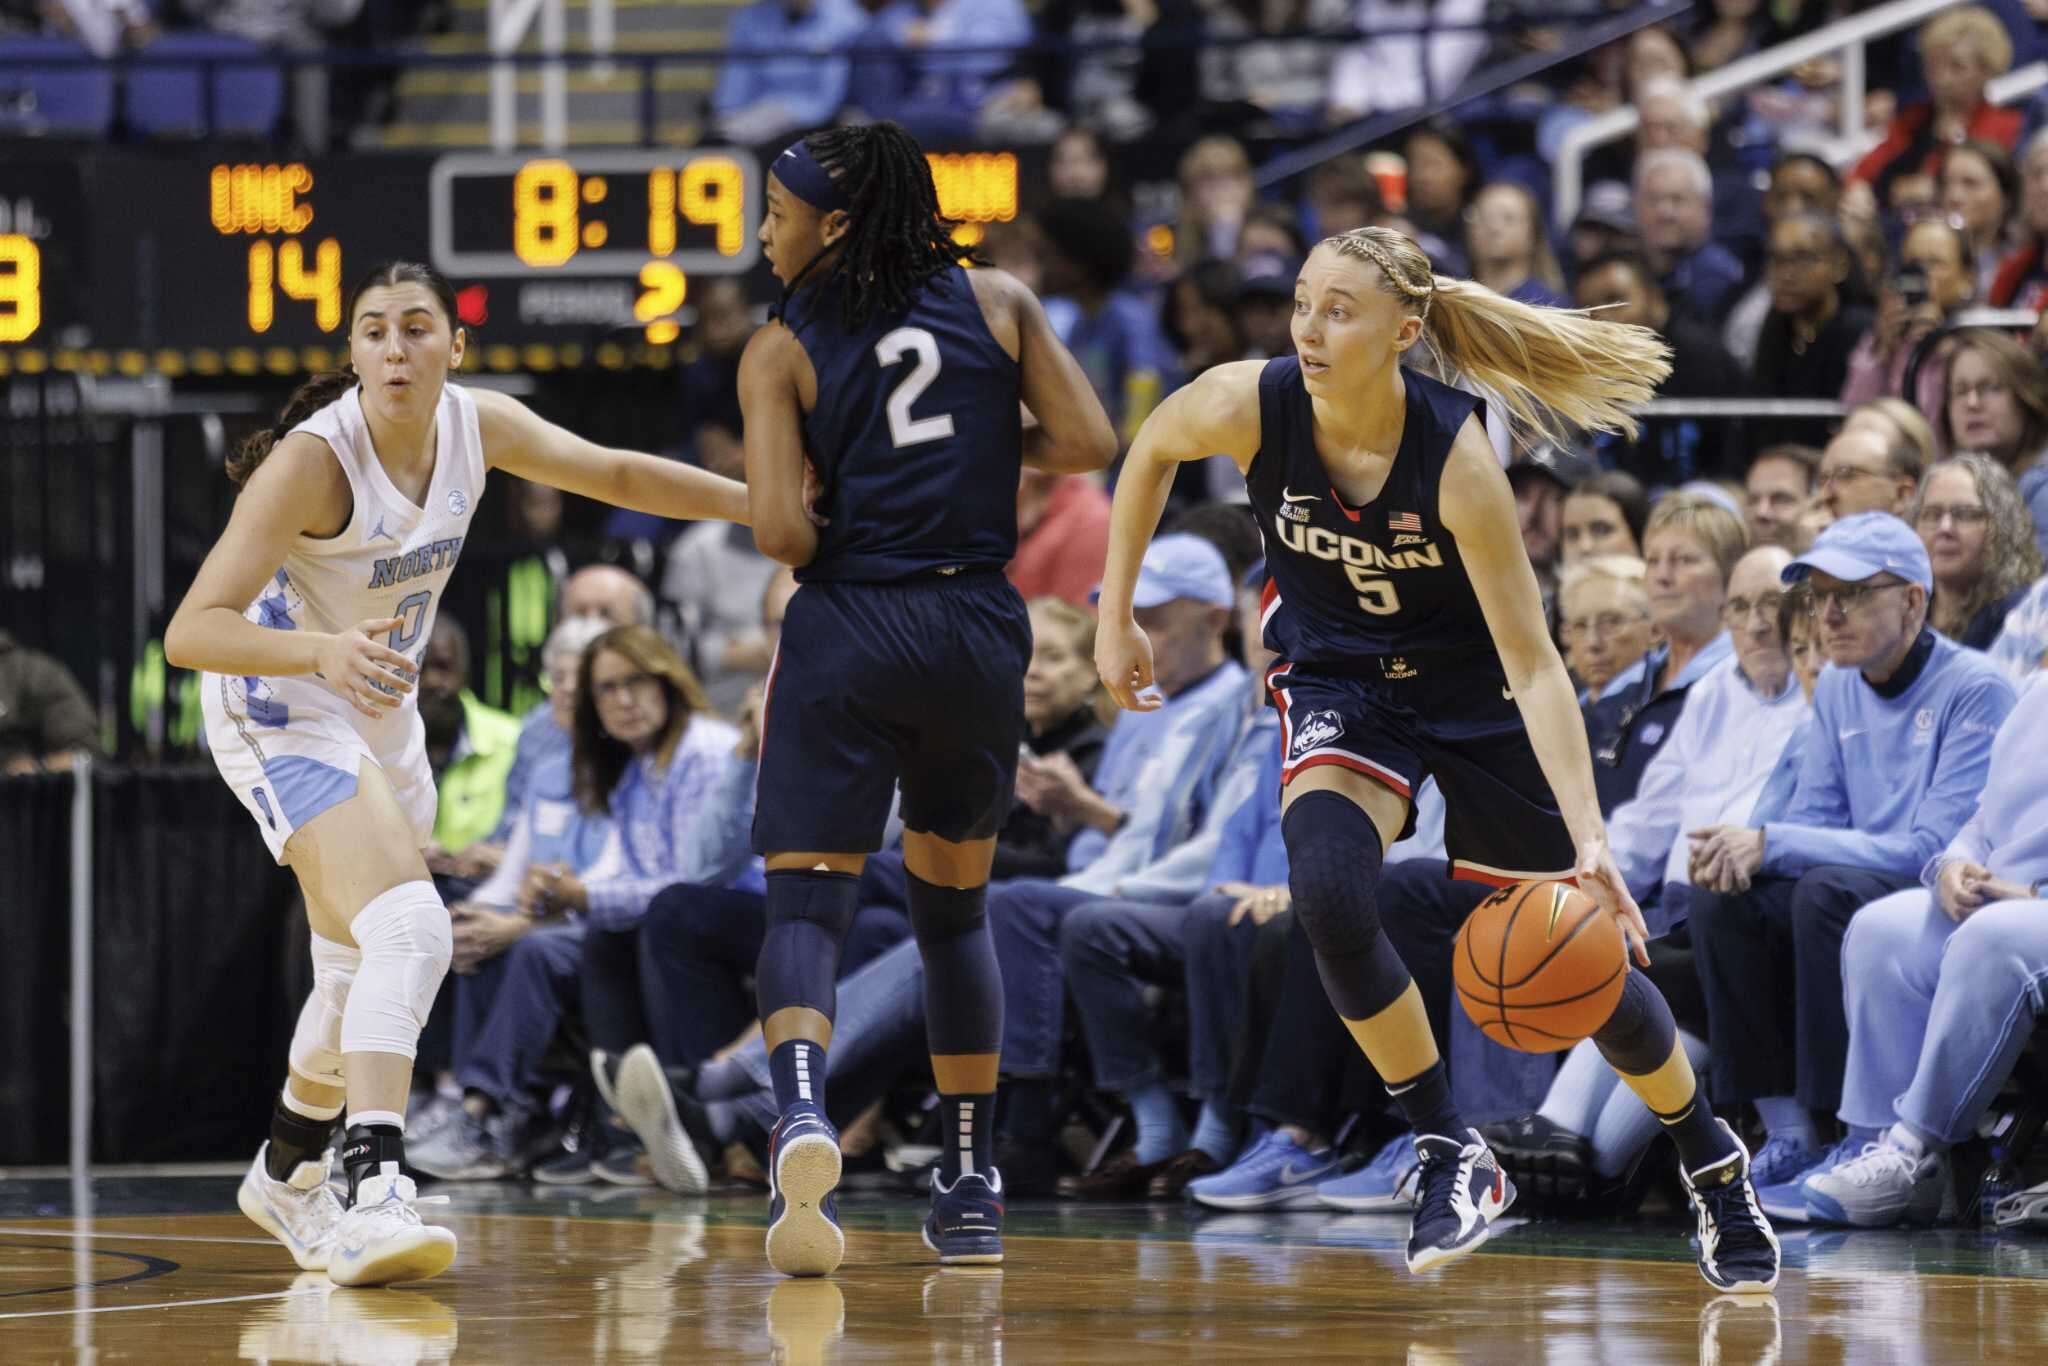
x,y
941,914
1333,872
1639,1036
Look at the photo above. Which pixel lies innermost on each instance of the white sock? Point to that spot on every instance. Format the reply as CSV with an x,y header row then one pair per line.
x,y
391,1117
1906,1141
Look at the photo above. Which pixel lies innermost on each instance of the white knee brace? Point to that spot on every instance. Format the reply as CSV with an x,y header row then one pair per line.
x,y
406,941
316,1043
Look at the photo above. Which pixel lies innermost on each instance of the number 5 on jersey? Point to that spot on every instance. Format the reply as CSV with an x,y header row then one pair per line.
x,y
1375,594
905,430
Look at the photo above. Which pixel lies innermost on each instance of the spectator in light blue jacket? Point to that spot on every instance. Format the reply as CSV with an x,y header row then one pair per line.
x,y
1944,990
1904,722
795,77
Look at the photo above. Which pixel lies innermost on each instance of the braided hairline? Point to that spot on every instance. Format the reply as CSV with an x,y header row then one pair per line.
x,y
1358,242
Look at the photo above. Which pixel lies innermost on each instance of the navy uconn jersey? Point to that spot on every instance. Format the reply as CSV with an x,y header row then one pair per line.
x,y
1346,583
916,436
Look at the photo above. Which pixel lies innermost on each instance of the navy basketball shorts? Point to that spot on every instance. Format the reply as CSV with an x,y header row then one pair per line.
x,y
1448,716
919,682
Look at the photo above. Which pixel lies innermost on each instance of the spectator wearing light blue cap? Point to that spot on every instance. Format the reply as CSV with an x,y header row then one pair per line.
x,y
1903,727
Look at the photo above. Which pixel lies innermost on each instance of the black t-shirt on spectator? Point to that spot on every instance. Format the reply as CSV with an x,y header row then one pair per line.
x,y
1784,370
1027,845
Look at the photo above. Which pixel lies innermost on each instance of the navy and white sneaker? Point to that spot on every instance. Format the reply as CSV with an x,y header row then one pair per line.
x,y
1276,1173
1738,1251
1462,1191
804,1238
965,1226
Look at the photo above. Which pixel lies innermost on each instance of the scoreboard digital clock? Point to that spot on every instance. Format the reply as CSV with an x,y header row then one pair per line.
x,y
124,261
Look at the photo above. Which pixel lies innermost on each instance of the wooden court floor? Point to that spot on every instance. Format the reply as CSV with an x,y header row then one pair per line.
x,y
166,1272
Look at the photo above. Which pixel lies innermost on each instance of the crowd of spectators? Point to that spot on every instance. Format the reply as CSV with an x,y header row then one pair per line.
x,y
1808,647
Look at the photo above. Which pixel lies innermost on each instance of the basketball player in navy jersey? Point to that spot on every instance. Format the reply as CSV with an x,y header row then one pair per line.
x,y
1411,641
883,446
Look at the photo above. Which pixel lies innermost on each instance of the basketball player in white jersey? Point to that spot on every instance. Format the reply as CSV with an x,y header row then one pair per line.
x,y
309,618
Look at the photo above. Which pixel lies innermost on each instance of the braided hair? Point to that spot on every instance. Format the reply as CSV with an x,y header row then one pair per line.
x,y
897,239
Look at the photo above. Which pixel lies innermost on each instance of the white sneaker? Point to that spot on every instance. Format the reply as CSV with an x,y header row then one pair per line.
x,y
647,1103
1886,1185
381,1238
301,1211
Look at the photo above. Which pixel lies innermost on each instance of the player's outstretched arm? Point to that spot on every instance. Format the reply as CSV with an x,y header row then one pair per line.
x,y
299,488
522,442
1478,508
1073,434
1217,414
774,440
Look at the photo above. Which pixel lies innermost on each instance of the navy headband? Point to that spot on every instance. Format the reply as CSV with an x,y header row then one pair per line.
x,y
803,177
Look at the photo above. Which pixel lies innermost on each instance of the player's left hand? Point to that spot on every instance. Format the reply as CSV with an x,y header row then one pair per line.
x,y
1123,657
1600,879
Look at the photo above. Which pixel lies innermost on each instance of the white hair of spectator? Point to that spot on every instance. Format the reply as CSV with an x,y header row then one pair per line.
x,y
1628,571
1690,105
570,638
1692,163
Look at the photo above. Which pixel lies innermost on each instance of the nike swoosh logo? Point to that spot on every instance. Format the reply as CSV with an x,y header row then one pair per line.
x,y
1507,694
1290,1175
1558,893
1287,497
1855,731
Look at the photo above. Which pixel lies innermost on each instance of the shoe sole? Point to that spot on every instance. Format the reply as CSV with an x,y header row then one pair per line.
x,y
633,1182
959,1258
421,1255
1741,1287
1822,1209
1290,1197
647,1104
582,1176
803,1242
252,1204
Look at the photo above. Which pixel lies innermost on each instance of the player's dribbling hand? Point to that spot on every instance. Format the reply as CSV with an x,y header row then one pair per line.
x,y
357,664
1600,879
1123,656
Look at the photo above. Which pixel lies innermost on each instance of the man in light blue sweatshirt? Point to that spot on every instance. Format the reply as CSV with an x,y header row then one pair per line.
x,y
788,69
1903,725
1945,984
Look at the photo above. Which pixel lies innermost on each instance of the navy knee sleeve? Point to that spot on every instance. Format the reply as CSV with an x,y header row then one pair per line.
x,y
809,914
1639,1036
1334,859
963,987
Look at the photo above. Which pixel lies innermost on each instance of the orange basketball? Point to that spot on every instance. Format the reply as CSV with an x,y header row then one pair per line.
x,y
1539,966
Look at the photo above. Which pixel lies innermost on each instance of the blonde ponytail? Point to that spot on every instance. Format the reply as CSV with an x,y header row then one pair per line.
x,y
1555,368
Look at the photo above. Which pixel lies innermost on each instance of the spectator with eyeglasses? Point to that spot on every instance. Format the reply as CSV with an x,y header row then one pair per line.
x,y
1903,725
1606,627
1998,404
1980,542
1860,471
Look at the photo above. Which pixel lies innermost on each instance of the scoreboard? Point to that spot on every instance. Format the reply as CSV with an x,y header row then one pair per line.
x,y
178,262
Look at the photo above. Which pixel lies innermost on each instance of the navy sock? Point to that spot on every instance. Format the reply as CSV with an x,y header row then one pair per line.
x,y
1701,1142
969,1142
798,1068
1426,1100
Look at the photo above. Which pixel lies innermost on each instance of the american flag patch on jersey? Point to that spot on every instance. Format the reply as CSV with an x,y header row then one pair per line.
x,y
1404,521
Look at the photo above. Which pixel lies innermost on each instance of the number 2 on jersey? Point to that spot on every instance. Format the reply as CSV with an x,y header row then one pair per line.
x,y
1375,594
905,430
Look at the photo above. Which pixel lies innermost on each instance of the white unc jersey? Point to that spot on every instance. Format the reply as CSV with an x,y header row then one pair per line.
x,y
291,747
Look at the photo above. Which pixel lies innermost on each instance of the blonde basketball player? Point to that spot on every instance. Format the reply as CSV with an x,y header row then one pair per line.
x,y
308,619
1410,640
